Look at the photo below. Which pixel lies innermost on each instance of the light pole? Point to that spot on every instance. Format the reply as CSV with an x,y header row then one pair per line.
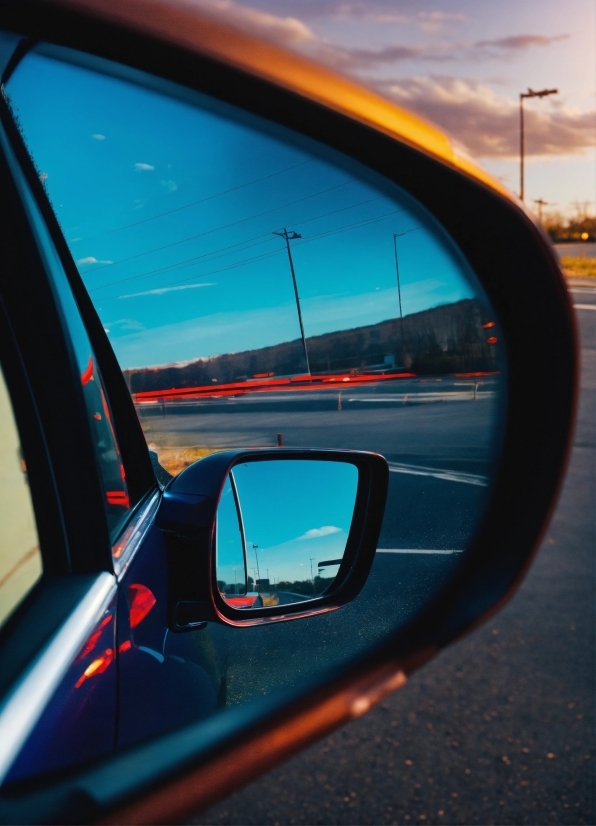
x,y
254,547
529,94
312,579
397,235
291,236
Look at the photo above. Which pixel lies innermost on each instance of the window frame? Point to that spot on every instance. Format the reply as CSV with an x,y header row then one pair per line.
x,y
140,474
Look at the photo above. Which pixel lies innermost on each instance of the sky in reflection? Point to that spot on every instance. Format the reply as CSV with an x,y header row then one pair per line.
x,y
297,514
170,210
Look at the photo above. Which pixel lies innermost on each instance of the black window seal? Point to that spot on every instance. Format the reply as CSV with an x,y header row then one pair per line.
x,y
46,349
140,475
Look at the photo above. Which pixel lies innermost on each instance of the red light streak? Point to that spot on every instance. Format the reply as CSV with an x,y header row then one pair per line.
x,y
304,382
240,602
141,601
125,646
492,340
488,325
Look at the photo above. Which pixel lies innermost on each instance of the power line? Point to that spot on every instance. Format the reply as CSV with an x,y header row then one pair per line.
x,y
217,229
200,201
267,254
265,237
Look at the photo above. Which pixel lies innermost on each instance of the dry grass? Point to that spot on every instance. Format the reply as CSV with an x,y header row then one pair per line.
x,y
175,459
582,267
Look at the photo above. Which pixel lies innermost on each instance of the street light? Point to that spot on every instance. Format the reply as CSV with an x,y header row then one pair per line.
x,y
397,235
529,94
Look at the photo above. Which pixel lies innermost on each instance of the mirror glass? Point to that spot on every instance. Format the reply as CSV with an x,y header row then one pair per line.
x,y
281,530
261,289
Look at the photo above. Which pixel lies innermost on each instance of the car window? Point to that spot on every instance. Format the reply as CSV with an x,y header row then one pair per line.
x,y
20,556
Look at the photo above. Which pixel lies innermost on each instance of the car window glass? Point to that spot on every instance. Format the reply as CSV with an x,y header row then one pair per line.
x,y
112,473
20,556
259,289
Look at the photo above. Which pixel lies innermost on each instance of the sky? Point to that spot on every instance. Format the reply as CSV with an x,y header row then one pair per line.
x,y
294,511
170,211
462,64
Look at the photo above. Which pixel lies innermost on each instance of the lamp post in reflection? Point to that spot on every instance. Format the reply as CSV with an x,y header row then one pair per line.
x,y
291,236
397,235
529,94
254,547
312,579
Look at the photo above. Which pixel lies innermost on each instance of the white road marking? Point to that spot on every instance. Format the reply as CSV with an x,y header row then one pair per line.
x,y
587,290
436,473
413,551
449,395
585,306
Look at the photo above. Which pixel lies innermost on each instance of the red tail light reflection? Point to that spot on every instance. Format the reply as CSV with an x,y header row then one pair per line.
x,y
87,374
118,497
94,638
98,666
141,601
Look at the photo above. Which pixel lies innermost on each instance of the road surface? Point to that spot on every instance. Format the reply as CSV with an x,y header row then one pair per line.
x,y
500,727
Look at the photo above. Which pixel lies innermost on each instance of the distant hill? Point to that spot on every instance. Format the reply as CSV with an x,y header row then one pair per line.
x,y
445,339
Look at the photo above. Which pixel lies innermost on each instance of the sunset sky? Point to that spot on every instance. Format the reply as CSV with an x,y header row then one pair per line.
x,y
462,64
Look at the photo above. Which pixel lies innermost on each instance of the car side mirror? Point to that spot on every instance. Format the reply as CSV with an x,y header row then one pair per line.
x,y
267,535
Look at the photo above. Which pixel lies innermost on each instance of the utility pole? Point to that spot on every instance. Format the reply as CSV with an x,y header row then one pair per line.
x,y
312,579
529,94
291,236
541,203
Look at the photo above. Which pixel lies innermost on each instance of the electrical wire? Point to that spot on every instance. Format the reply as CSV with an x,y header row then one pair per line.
x,y
200,201
225,250
265,255
217,229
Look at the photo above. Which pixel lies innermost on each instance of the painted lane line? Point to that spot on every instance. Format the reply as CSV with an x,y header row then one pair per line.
x,y
413,551
446,475
585,306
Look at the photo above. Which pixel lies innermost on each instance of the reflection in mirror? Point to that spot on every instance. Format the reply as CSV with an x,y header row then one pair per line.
x,y
282,529
260,289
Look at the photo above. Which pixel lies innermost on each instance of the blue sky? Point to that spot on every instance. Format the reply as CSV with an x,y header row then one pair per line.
x,y
170,212
294,511
462,64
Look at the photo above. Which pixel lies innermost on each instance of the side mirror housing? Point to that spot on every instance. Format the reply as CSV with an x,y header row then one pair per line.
x,y
209,568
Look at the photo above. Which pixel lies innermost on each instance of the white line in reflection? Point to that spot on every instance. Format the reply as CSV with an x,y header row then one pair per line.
x,y
585,306
412,551
447,475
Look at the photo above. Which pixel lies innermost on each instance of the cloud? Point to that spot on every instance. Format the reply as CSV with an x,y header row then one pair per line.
x,y
315,533
98,137
144,167
124,324
487,123
288,31
162,290
171,186
518,42
91,260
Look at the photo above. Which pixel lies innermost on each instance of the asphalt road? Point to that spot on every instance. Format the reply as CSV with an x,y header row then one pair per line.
x,y
497,729
439,438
